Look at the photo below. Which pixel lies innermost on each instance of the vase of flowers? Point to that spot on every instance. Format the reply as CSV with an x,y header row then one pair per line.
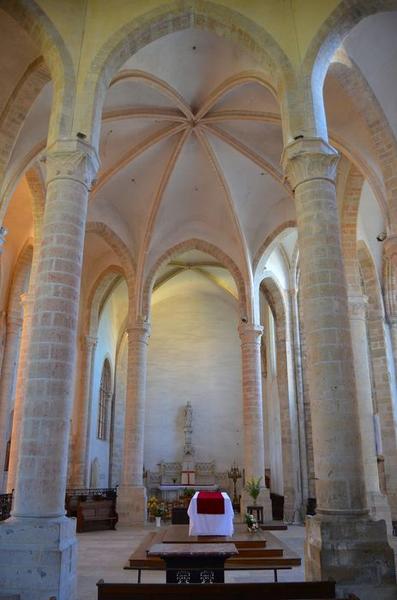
x,y
253,487
251,522
155,509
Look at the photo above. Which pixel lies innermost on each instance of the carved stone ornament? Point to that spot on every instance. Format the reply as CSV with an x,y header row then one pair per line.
x,y
72,159
357,306
309,158
250,333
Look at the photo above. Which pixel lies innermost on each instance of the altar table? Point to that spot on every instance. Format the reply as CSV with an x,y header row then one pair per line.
x,y
194,563
203,524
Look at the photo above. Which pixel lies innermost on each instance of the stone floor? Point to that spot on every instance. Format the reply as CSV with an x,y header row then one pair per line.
x,y
102,555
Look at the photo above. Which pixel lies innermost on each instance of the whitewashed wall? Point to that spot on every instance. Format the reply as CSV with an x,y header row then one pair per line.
x,y
194,354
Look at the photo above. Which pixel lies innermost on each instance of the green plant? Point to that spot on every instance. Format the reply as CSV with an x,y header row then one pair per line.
x,y
253,487
188,492
251,522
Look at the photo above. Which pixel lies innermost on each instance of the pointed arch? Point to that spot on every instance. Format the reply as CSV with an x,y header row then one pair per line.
x,y
203,246
176,16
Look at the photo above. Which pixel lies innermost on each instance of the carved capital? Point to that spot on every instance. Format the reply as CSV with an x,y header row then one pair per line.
x,y
139,331
250,333
3,233
357,306
88,342
307,159
72,159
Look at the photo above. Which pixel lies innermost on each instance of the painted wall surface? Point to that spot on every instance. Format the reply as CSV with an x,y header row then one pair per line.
x,y
370,223
111,319
194,354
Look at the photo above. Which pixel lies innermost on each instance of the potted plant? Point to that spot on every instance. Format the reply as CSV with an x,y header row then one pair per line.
x,y
187,495
253,487
155,509
251,522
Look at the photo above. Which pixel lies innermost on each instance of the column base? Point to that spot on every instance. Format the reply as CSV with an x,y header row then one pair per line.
x,y
262,500
348,550
131,505
38,558
379,509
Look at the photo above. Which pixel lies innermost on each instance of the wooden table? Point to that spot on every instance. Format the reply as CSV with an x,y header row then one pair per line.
x,y
194,563
259,551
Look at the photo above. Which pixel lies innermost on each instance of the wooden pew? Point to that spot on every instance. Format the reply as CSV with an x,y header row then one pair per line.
x,y
310,590
95,515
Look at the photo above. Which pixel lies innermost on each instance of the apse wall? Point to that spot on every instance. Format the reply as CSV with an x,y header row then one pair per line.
x,y
194,354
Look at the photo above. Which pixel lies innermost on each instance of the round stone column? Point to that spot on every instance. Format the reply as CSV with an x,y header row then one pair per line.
x,y
27,302
341,542
254,451
81,462
38,543
7,382
377,502
131,502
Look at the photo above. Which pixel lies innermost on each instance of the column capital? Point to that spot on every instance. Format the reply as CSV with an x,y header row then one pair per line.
x,y
307,159
357,306
390,248
250,333
72,159
3,233
140,330
88,342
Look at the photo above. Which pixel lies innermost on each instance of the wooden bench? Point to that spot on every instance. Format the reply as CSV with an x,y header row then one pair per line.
x,y
310,590
96,515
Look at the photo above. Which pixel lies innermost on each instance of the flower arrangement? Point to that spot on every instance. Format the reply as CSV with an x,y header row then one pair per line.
x,y
155,507
251,522
253,487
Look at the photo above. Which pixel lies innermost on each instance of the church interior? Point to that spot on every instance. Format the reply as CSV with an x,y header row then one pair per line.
x,y
198,276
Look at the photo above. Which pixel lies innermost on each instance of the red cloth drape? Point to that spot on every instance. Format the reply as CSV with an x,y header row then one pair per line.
x,y
210,503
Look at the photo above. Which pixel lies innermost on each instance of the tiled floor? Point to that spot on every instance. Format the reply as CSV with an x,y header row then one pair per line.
x,y
102,555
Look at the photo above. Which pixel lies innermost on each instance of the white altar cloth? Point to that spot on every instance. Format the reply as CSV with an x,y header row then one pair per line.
x,y
201,524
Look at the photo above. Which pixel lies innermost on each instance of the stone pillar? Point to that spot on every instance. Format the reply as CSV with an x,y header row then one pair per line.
x,y
81,463
131,502
254,452
297,360
38,543
342,543
7,382
27,302
377,502
390,290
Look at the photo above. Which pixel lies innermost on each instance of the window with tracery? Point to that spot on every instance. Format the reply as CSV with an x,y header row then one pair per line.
x,y
104,395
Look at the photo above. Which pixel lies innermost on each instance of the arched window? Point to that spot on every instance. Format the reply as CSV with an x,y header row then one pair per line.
x,y
104,395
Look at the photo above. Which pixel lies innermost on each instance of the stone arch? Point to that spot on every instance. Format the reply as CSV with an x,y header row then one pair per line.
x,y
21,100
265,246
350,207
384,142
328,38
203,246
383,401
121,251
100,291
172,17
40,28
289,446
